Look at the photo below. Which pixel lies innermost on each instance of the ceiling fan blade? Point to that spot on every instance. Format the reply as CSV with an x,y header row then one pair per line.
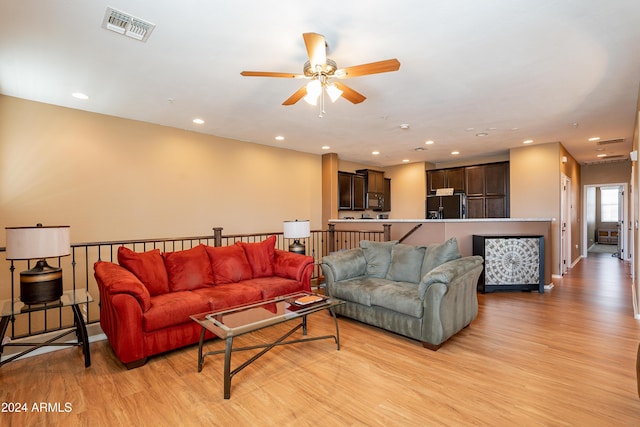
x,y
350,94
316,49
300,93
271,74
371,68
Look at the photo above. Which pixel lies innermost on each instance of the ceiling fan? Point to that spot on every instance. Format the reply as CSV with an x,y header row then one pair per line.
x,y
320,70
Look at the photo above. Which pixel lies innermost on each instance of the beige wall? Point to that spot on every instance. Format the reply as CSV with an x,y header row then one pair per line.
x,y
635,195
408,190
111,178
535,189
606,173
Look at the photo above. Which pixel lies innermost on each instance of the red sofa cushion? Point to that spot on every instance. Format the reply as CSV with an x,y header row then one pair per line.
x,y
172,309
229,264
261,256
188,269
274,286
148,267
229,295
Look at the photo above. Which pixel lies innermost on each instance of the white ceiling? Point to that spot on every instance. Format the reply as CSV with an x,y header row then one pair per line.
x,y
547,70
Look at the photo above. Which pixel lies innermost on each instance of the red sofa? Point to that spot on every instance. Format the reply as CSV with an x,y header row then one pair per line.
x,y
146,300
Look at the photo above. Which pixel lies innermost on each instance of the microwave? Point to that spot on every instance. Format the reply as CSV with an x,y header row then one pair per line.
x,y
375,201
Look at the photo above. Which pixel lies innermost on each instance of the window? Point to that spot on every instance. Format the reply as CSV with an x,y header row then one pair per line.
x,y
609,204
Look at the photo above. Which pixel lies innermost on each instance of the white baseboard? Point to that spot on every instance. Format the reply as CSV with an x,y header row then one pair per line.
x,y
93,330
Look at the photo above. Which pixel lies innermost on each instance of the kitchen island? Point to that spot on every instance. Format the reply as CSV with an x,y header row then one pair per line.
x,y
430,231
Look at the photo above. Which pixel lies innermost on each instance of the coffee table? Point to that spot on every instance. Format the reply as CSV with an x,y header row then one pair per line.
x,y
235,321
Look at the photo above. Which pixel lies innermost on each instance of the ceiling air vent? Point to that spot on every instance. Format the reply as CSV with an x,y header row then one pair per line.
x,y
611,141
127,25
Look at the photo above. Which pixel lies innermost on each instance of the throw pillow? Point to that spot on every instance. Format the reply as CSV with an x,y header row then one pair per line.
x,y
261,256
406,263
229,264
439,254
188,269
378,257
148,267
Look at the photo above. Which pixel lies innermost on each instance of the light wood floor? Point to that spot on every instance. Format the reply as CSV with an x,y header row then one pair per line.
x,y
562,358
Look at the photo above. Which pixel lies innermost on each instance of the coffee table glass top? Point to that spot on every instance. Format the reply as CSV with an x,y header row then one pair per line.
x,y
250,317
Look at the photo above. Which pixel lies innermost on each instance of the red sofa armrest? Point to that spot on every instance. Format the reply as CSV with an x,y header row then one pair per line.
x,y
294,266
114,279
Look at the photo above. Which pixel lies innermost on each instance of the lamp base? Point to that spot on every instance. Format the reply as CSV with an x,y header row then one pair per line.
x,y
297,247
41,284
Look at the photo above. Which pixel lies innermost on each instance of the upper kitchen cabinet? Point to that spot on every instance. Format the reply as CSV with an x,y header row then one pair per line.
x,y
445,178
351,191
387,195
345,191
374,180
359,197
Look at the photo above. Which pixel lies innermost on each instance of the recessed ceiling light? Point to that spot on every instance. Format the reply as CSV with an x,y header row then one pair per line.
x,y
198,121
405,160
326,147
80,95
599,149
455,153
470,129
419,149
515,128
428,142
375,153
404,126
528,141
482,134
595,138
601,155
279,138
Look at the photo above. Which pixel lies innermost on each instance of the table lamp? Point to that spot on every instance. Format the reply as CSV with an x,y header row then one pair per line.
x,y
296,230
42,283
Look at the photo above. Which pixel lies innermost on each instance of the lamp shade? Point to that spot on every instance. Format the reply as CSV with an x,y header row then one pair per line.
x,y
37,242
296,229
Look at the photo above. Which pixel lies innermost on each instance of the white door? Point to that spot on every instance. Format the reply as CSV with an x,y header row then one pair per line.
x,y
565,225
621,224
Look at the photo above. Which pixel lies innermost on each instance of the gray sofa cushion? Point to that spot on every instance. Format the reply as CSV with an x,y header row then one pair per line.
x,y
346,264
378,257
406,262
359,289
439,254
400,297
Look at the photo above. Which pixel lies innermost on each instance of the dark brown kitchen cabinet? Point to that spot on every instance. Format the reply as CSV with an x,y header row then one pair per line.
x,y
374,180
496,178
387,195
474,181
486,187
351,191
445,178
345,190
359,197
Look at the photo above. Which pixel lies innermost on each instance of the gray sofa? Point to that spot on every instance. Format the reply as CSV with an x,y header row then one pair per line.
x,y
425,293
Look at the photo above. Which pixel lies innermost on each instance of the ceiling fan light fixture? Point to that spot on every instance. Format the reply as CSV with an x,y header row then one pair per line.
x,y
314,89
333,92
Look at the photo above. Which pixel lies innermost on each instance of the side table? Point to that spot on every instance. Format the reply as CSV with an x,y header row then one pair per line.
x,y
74,298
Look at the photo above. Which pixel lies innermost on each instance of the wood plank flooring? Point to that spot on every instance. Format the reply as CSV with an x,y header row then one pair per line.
x,y
562,358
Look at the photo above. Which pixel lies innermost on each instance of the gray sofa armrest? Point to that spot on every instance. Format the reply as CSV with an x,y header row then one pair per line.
x,y
343,265
450,299
447,272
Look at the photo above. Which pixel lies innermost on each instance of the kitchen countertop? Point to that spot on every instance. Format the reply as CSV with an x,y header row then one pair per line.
x,y
391,221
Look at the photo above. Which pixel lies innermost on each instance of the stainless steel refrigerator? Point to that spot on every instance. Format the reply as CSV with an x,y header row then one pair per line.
x,y
446,207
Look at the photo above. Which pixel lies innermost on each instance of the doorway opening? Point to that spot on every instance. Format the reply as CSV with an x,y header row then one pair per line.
x,y
605,219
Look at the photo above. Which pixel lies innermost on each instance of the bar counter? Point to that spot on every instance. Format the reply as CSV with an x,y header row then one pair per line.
x,y
430,231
